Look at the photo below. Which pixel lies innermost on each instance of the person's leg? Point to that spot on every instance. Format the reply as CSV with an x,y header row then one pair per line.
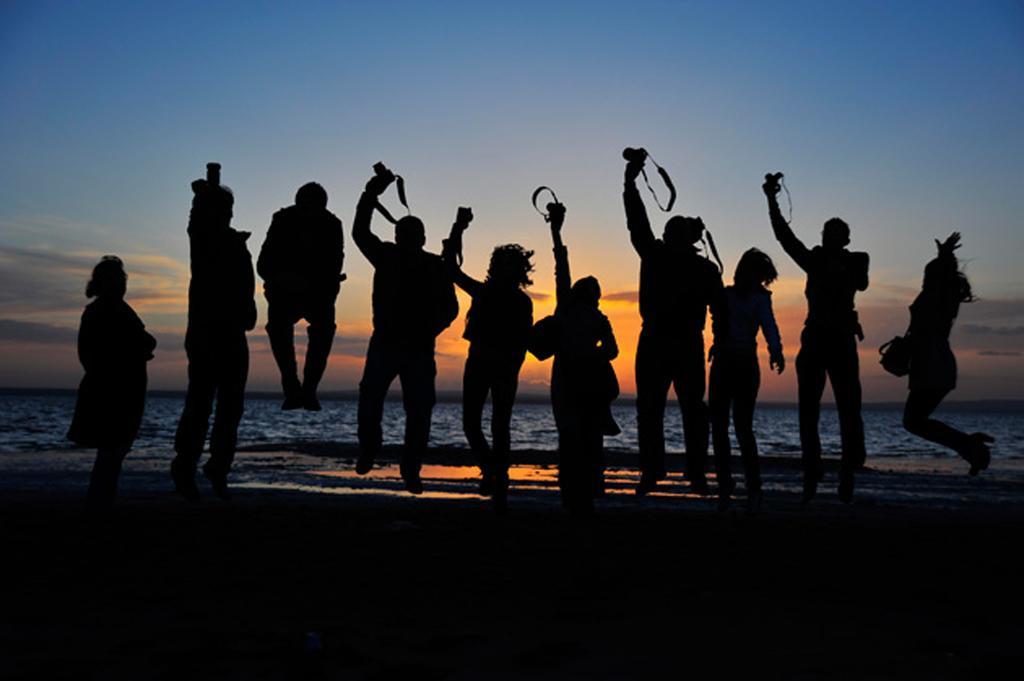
x,y
416,374
810,376
379,371
844,373
103,479
195,417
475,384
746,383
320,334
719,398
689,386
652,383
504,384
282,314
921,403
234,371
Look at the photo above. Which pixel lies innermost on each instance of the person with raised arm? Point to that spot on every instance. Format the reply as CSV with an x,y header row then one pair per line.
x,y
735,375
932,363
678,286
828,342
413,301
300,263
498,329
221,308
583,382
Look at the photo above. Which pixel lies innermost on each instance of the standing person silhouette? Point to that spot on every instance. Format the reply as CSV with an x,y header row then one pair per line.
x,y
413,301
113,347
498,329
300,263
828,342
583,382
677,288
932,364
735,375
221,308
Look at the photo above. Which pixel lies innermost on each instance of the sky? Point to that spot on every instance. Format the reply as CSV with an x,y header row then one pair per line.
x,y
905,119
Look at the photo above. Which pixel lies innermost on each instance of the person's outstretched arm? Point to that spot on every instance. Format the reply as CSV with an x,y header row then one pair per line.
x,y
640,233
783,232
452,250
368,243
563,279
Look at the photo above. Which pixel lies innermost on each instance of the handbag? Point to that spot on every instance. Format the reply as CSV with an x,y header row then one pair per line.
x,y
894,356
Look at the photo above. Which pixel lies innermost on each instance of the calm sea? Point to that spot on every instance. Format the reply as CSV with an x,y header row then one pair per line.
x,y
38,422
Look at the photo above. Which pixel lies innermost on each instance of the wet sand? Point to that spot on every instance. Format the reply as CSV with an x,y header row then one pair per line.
x,y
439,588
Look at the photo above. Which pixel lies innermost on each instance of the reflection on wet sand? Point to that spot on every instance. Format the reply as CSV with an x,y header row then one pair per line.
x,y
460,482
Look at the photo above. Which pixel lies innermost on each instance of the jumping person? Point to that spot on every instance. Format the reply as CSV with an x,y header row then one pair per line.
x,y
413,301
113,347
583,381
735,375
677,288
221,308
828,342
300,263
498,329
932,364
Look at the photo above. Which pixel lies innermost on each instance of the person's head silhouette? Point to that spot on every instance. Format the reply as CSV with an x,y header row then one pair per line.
x,y
410,232
311,196
109,279
586,291
510,265
754,269
682,231
835,234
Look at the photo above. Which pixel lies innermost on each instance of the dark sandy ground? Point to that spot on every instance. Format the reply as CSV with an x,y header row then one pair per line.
x,y
404,588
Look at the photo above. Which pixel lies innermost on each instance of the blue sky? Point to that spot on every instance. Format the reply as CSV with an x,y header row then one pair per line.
x,y
903,118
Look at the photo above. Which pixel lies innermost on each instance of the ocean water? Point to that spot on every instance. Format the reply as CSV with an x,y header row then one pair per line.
x,y
38,422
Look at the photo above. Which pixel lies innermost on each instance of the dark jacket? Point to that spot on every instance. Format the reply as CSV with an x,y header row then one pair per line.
x,y
932,363
113,347
677,284
303,253
413,296
221,293
833,278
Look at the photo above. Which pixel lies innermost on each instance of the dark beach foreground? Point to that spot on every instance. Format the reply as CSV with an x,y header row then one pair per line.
x,y
281,584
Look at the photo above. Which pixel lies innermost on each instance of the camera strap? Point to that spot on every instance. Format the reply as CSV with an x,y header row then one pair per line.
x,y
668,184
536,194
400,184
709,247
789,199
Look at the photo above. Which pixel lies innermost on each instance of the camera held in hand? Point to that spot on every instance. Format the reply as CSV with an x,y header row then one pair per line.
x,y
635,155
380,170
773,181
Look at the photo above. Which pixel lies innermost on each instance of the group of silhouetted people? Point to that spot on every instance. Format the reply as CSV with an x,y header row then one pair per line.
x,y
414,300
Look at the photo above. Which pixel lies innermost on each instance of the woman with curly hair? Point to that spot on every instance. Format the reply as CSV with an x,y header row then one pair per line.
x,y
932,364
497,327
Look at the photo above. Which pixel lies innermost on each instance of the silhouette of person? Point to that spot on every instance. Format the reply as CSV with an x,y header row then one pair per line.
x,y
300,263
932,364
677,288
113,347
828,342
413,301
498,330
221,308
583,382
735,375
